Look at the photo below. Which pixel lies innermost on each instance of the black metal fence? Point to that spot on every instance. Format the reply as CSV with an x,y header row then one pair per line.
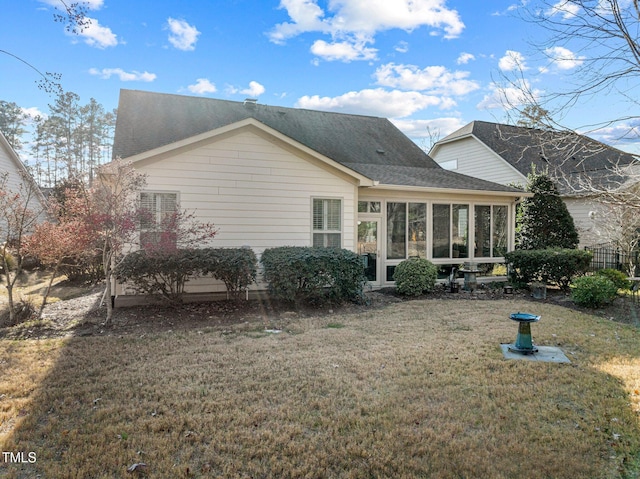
x,y
606,255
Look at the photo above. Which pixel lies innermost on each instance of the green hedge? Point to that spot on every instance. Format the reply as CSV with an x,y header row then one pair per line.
x,y
616,277
313,274
415,276
594,291
167,274
551,266
164,274
236,267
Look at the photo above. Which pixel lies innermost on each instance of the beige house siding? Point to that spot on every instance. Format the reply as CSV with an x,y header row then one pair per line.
x,y
473,158
7,164
10,163
587,215
257,193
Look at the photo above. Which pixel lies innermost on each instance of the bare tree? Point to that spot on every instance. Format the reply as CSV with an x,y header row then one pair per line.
x,y
599,40
73,15
618,226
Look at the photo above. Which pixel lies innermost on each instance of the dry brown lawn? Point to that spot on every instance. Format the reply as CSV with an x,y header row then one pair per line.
x,y
415,390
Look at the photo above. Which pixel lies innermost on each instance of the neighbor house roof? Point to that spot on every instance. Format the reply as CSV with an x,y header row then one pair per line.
x,y
370,146
564,154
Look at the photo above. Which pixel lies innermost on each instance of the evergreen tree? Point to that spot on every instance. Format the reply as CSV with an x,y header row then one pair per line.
x,y
545,221
12,123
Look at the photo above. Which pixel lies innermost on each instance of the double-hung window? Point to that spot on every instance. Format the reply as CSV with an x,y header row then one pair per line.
x,y
327,222
156,212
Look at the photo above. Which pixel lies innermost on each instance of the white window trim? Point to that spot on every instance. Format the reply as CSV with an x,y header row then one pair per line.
x,y
341,231
157,192
491,258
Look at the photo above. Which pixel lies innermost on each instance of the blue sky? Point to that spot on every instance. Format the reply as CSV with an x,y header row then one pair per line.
x,y
429,65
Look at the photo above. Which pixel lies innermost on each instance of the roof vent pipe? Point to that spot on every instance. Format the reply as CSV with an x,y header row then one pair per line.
x,y
250,102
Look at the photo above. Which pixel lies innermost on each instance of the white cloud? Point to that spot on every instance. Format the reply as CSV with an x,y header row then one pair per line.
x,y
511,61
354,23
91,31
96,35
255,89
425,128
182,35
202,86
402,47
343,51
465,58
33,112
563,58
618,134
435,79
375,102
134,75
509,97
306,16
565,8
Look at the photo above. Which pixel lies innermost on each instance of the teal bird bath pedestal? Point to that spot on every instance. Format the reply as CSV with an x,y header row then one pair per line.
x,y
524,343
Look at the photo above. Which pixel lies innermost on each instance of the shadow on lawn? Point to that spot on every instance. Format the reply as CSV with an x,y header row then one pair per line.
x,y
109,401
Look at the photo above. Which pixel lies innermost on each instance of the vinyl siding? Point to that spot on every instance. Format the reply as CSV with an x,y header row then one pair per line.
x,y
475,159
588,228
8,165
257,193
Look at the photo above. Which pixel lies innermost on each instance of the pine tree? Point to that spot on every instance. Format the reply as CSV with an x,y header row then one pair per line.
x,y
545,221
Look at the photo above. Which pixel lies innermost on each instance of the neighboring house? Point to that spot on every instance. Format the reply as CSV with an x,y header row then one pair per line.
x,y
506,154
17,174
269,176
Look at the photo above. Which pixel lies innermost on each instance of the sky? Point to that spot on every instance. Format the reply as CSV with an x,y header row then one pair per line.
x,y
431,66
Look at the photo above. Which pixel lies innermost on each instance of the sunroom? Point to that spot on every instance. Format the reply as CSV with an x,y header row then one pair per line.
x,y
448,230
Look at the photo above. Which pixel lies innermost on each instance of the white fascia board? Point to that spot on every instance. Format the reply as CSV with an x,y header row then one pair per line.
x,y
427,189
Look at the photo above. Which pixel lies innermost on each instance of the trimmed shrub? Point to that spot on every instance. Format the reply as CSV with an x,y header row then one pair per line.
x,y
594,291
236,267
616,277
164,274
550,266
167,274
314,274
415,276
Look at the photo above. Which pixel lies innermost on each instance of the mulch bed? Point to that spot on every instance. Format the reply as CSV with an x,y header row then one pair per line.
x,y
84,316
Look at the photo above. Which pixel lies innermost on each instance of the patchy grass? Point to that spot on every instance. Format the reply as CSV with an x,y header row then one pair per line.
x,y
417,389
33,285
334,325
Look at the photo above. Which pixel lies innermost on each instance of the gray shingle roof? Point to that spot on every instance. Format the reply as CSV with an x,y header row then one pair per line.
x,y
565,155
371,146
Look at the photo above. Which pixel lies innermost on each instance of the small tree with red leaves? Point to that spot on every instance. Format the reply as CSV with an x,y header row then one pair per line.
x,y
57,245
112,216
19,213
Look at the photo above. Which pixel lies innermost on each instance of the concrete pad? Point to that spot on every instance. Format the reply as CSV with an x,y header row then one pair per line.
x,y
547,354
